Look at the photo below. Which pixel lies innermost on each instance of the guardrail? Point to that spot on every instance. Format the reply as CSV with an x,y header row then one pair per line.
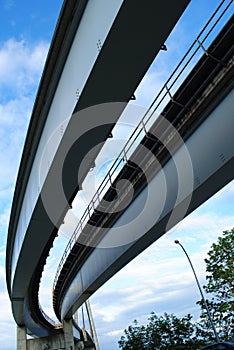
x,y
48,319
195,51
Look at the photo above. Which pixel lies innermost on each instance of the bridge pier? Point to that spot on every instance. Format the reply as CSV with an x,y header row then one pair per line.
x,y
68,335
21,338
63,340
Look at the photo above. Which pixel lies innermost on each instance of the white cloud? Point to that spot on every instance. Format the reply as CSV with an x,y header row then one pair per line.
x,y
150,85
6,193
115,333
8,328
21,65
14,117
20,69
8,4
4,217
148,287
208,222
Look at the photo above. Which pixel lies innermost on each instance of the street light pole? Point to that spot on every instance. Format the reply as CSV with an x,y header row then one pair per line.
x,y
202,295
92,325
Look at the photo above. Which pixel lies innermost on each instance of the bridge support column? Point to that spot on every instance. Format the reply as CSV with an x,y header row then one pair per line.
x,y
21,338
68,335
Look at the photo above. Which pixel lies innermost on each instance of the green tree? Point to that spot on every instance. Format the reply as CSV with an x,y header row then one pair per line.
x,y
169,332
135,337
220,285
166,332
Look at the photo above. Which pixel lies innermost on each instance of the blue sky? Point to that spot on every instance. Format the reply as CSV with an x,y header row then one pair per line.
x,y
159,279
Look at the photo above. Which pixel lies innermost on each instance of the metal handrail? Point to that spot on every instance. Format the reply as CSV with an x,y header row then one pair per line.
x,y
48,319
198,45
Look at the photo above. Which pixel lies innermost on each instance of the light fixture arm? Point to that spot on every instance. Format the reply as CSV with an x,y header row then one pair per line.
x,y
202,295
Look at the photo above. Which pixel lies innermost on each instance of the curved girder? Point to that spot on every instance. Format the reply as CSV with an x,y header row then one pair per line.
x,y
74,284
136,35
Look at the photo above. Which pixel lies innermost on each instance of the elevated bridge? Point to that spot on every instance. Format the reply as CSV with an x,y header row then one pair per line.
x,y
179,163
99,54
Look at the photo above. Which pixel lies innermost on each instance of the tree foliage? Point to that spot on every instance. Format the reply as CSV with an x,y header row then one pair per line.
x,y
220,285
220,267
165,333
171,333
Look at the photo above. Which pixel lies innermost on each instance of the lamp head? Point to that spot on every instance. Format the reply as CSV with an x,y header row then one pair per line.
x,y
177,242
